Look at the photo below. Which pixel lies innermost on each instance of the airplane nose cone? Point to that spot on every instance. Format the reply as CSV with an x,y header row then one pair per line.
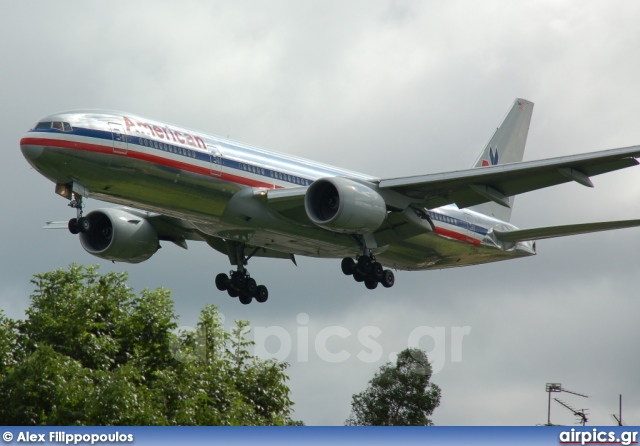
x,y
30,151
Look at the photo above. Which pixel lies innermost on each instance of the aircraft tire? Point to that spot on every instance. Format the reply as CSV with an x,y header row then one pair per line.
x,y
364,264
377,271
388,279
262,294
238,280
348,265
358,277
232,292
371,284
244,299
250,287
222,282
73,226
84,225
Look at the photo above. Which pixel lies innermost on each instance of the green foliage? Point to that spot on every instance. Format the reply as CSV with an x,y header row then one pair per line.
x,y
399,395
8,335
92,352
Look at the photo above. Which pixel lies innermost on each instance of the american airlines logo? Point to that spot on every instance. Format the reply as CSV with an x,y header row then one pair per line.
x,y
493,158
164,132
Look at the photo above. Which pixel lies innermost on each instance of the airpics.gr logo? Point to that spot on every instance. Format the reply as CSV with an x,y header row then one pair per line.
x,y
493,158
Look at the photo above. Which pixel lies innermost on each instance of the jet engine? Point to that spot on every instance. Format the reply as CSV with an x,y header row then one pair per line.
x,y
117,235
343,205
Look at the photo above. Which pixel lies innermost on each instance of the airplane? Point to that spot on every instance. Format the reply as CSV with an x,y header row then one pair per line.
x,y
174,184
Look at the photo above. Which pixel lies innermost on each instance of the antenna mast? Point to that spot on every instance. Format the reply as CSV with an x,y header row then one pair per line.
x,y
557,387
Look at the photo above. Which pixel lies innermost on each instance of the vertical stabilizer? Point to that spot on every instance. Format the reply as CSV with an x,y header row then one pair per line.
x,y
506,146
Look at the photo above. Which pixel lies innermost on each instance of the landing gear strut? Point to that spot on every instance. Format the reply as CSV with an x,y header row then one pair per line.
x,y
80,223
367,270
239,283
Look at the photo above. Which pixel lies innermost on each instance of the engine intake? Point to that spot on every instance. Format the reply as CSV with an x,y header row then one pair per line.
x,y
344,205
117,235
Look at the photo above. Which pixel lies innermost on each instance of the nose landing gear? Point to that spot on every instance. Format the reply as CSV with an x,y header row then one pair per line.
x,y
80,223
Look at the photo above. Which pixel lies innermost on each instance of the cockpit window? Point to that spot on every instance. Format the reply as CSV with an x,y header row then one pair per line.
x,y
58,125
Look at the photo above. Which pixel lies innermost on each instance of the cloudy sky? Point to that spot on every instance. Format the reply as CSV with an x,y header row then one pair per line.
x,y
388,88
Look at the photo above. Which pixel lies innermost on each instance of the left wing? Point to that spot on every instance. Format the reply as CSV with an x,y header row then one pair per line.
x,y
496,183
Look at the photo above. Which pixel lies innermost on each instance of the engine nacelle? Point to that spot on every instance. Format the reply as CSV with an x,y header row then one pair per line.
x,y
343,205
115,234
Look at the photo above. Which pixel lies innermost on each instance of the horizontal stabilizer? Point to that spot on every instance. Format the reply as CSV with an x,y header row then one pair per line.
x,y
561,231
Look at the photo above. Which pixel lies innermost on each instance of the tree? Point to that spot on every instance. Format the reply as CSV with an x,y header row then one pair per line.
x,y
398,395
92,352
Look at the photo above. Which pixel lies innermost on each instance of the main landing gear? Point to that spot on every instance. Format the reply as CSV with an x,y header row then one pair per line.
x,y
241,285
238,283
367,270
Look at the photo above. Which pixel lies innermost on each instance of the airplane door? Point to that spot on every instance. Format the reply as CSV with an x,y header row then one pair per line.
x,y
215,161
119,138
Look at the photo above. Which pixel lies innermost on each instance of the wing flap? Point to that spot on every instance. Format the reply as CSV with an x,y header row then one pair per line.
x,y
521,235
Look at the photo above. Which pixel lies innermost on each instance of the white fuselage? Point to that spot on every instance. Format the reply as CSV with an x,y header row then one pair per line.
x,y
124,159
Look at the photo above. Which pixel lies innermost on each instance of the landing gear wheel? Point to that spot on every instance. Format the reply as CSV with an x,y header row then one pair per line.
x,y
388,279
364,264
262,294
73,226
232,292
250,287
244,299
371,284
358,277
222,282
348,266
239,280
376,272
84,225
